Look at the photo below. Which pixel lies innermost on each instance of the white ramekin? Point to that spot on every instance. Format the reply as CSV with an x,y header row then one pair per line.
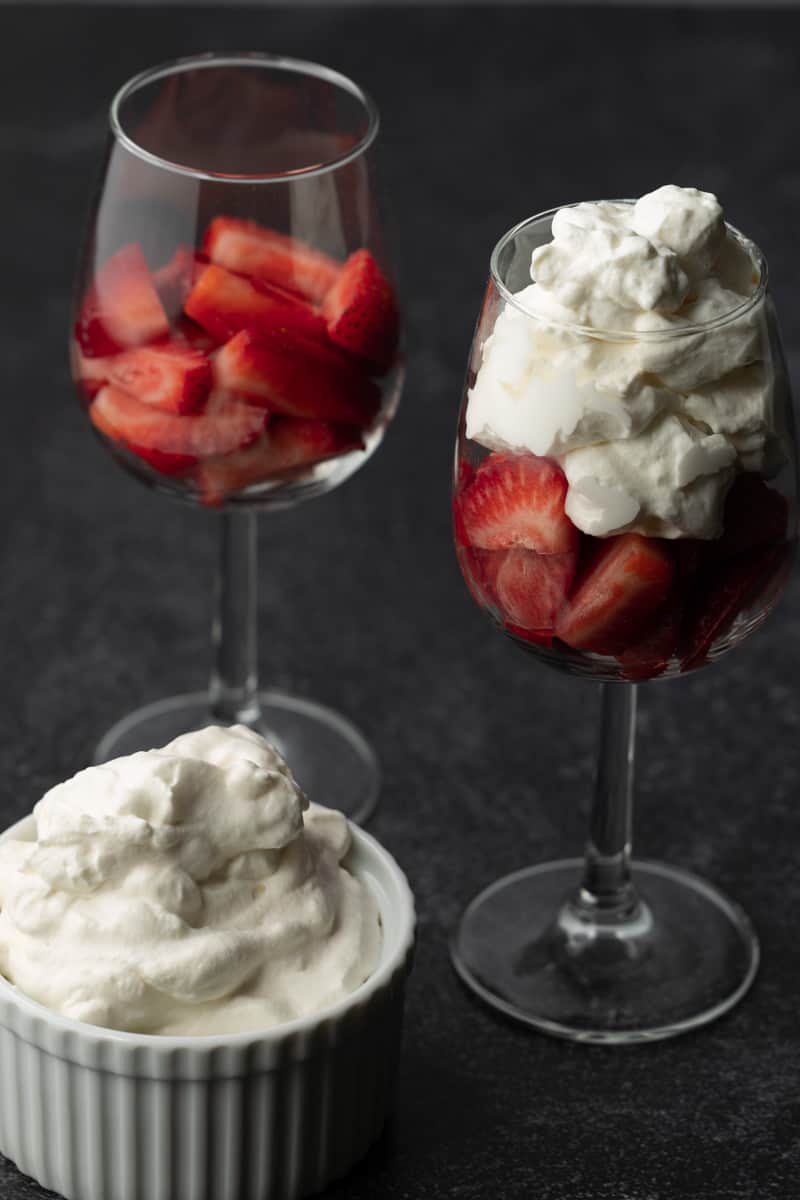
x,y
99,1115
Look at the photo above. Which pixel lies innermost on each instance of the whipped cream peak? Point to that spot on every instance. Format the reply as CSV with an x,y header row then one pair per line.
x,y
635,339
190,889
685,221
597,264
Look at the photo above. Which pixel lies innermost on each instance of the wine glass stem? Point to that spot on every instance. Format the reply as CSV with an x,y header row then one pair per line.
x,y
234,677
607,876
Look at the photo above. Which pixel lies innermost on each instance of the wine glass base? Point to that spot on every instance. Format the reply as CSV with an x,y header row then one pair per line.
x,y
696,959
330,758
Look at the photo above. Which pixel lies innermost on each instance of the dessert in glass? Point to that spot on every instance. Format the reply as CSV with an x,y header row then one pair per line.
x,y
213,965
236,344
624,510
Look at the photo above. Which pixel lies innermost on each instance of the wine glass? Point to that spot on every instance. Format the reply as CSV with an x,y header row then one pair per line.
x,y
599,949
236,345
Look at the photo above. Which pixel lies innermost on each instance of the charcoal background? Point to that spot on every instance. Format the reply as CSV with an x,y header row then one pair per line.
x,y
489,114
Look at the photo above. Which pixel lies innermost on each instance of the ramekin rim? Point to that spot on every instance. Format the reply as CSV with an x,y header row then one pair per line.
x,y
98,1035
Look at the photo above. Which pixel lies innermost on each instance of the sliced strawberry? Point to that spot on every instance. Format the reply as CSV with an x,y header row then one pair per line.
x,y
174,443
176,278
224,303
518,500
122,307
530,588
650,655
287,445
755,515
361,311
192,334
297,377
250,249
619,596
170,376
725,591
473,567
90,373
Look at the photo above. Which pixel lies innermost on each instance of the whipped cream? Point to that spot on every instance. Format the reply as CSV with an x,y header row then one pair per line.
x,y
649,415
189,890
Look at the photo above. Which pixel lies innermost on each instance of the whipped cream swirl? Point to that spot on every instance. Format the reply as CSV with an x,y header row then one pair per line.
x,y
188,890
650,430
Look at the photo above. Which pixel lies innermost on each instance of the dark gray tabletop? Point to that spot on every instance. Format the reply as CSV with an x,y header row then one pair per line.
x,y
488,115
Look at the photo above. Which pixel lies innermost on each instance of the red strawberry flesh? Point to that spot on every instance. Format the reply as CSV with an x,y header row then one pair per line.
x,y
174,280
170,376
619,597
224,303
291,375
226,424
288,445
518,500
361,311
530,588
249,249
122,307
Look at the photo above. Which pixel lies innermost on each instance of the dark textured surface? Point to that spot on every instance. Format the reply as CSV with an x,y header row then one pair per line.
x,y
104,589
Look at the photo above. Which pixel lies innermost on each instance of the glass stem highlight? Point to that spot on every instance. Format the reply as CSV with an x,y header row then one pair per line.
x,y
234,676
606,884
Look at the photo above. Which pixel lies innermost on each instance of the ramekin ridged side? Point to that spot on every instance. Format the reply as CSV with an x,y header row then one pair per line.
x,y
95,1114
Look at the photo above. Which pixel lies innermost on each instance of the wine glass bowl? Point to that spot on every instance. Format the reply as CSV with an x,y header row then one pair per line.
x,y
619,565
235,281
696,597
236,343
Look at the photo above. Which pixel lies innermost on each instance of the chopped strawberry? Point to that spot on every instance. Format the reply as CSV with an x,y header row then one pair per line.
x,y
361,311
224,303
176,278
473,567
173,443
249,249
192,334
90,373
518,500
288,445
297,377
725,591
619,596
530,588
755,515
122,307
650,655
169,376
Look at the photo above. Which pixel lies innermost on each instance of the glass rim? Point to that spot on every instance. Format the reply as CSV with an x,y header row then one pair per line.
x,y
628,335
254,59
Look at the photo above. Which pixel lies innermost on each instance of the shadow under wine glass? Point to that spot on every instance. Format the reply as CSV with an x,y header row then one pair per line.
x,y
601,949
236,346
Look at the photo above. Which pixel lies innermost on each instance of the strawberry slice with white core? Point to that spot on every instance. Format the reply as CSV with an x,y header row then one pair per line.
x,y
287,446
176,278
170,442
361,311
170,376
620,596
297,377
530,588
249,249
518,500
122,307
224,303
